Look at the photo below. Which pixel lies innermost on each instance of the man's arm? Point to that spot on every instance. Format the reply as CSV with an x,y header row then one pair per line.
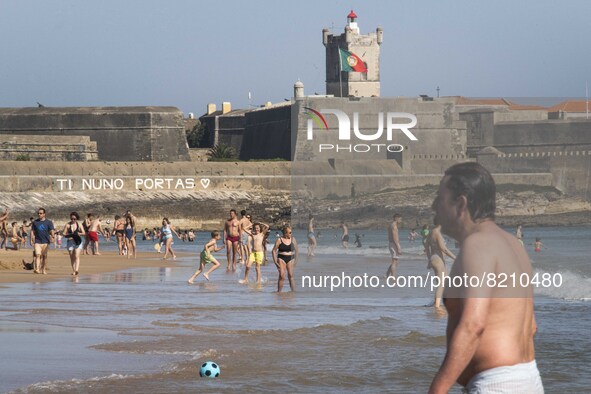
x,y
477,257
462,344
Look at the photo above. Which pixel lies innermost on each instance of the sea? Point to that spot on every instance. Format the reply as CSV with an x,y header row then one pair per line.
x,y
146,330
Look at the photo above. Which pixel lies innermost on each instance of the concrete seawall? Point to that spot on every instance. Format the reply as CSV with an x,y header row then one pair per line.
x,y
199,195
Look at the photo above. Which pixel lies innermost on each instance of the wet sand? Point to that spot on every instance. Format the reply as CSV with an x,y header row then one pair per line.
x,y
59,267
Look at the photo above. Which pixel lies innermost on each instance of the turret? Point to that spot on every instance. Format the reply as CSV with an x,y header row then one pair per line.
x,y
346,83
298,89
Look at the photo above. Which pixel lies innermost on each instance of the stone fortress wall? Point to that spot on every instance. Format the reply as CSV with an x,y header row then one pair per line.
x,y
115,133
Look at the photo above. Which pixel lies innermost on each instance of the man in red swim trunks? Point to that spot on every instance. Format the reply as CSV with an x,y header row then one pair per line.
x,y
93,232
232,236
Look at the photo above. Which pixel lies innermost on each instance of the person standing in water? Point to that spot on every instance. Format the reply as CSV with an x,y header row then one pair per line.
x,y
285,256
490,329
436,250
311,236
345,236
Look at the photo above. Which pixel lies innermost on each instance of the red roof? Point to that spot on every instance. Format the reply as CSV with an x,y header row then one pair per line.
x,y
571,106
352,15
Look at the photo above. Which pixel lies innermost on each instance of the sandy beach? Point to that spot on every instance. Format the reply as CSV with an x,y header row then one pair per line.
x,y
11,267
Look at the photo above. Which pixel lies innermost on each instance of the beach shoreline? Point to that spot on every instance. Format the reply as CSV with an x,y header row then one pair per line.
x,y
11,267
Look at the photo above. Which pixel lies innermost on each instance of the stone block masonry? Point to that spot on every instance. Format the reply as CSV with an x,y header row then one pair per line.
x,y
120,133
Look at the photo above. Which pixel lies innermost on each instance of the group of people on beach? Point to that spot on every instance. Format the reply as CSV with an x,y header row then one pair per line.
x,y
490,329
246,242
82,237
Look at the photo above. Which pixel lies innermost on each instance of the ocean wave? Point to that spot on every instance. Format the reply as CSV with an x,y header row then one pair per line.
x,y
412,338
371,250
57,386
574,287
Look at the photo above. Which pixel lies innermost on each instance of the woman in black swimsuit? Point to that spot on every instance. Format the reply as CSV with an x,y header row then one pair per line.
x,y
74,232
285,256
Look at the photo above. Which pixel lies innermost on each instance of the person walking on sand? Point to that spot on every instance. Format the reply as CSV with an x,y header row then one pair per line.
x,y
167,232
86,225
94,229
490,329
24,234
232,237
41,236
4,231
119,231
15,237
285,257
394,245
206,257
311,236
74,232
257,256
436,250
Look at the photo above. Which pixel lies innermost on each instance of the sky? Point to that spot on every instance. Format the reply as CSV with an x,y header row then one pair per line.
x,y
189,53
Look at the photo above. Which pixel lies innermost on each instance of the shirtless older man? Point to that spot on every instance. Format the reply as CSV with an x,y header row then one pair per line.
x,y
490,329
232,237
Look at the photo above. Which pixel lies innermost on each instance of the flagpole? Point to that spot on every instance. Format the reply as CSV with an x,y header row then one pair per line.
x,y
340,72
587,97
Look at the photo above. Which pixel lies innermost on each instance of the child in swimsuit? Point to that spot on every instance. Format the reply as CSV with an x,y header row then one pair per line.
x,y
206,257
257,256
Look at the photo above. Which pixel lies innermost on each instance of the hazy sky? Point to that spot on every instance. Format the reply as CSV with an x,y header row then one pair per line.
x,y
188,53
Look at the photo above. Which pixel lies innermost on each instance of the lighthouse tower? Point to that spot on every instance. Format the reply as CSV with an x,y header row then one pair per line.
x,y
367,47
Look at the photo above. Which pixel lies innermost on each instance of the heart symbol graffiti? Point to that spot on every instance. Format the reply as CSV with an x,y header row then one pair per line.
x,y
205,183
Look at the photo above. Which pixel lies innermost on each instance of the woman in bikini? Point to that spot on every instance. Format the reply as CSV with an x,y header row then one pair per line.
x,y
285,256
167,232
74,232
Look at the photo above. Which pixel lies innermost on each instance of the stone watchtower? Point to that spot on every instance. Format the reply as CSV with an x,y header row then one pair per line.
x,y
366,47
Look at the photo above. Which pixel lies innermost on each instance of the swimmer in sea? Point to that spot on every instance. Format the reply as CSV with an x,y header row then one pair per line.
x,y
538,245
206,257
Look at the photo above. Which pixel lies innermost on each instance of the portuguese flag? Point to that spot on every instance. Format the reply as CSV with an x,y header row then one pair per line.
x,y
351,62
